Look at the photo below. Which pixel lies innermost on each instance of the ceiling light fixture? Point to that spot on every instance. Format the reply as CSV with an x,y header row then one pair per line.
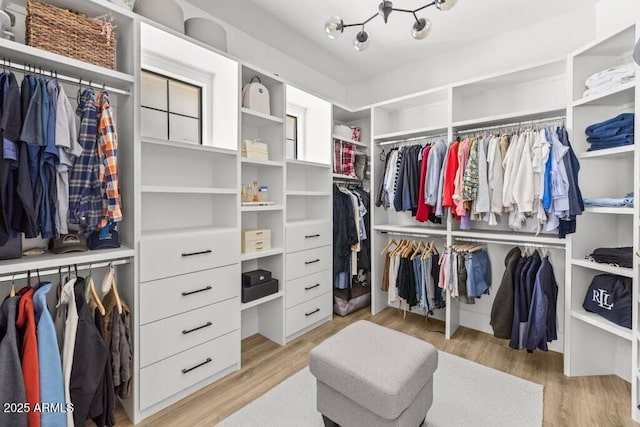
x,y
335,26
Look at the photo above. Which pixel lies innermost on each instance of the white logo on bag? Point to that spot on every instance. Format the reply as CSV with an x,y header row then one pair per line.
x,y
601,297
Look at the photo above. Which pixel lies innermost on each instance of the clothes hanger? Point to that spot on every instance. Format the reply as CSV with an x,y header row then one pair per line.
x,y
13,286
391,242
417,251
109,283
399,248
94,294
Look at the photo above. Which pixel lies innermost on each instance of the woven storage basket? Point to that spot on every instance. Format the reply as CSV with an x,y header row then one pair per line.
x,y
70,34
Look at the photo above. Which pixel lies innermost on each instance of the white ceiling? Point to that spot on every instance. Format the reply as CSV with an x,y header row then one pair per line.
x,y
296,28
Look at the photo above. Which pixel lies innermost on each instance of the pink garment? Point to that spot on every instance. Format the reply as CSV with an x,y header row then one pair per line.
x,y
424,210
463,158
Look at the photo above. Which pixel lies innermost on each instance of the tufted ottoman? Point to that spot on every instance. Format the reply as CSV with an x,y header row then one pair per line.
x,y
369,375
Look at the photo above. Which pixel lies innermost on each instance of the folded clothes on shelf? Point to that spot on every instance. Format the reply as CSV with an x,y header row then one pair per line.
x,y
614,132
621,257
610,78
606,202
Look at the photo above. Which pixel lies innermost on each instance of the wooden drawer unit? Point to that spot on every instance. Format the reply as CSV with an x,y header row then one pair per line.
x,y
303,263
256,240
305,236
170,376
167,297
164,338
308,313
308,287
187,253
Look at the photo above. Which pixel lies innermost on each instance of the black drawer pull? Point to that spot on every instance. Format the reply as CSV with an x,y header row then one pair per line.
x,y
188,331
313,312
208,251
311,236
308,288
208,288
311,262
209,360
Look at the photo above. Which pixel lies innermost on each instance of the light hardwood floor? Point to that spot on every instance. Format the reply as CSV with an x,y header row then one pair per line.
x,y
584,401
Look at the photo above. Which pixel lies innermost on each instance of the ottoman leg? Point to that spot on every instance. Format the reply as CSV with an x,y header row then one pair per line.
x,y
328,422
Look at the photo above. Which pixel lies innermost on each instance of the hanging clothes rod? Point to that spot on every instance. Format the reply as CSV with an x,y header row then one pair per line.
x,y
512,125
35,272
72,80
417,138
506,242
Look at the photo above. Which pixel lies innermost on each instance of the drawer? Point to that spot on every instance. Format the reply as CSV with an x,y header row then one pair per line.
x,y
187,253
303,263
308,287
308,236
164,379
256,246
308,313
164,338
258,234
168,297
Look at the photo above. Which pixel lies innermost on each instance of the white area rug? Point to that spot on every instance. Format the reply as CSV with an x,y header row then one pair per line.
x,y
465,394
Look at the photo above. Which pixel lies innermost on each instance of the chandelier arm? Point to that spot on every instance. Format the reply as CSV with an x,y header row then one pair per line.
x,y
360,23
433,3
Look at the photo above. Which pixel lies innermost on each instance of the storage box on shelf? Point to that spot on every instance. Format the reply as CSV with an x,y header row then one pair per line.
x,y
611,173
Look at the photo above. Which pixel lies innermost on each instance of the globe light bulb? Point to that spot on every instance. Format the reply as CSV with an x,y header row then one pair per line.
x,y
333,27
445,4
361,41
421,29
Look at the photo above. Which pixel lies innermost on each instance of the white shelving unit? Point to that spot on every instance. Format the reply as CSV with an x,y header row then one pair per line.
x,y
265,315
594,345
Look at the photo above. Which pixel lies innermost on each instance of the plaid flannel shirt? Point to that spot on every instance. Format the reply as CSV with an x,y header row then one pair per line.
x,y
108,152
344,158
85,195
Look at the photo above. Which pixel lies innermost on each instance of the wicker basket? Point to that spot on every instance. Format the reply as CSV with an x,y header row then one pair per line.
x,y
70,34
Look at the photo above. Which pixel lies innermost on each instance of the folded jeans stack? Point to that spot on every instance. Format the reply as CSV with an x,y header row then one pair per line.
x,y
606,202
610,78
615,132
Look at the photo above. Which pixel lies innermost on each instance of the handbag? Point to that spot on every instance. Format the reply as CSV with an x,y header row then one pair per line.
x,y
12,249
255,96
610,296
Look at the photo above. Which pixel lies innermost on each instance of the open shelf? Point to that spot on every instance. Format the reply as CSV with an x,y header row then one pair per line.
x,y
605,268
187,190
309,193
256,118
307,163
350,141
400,229
613,211
50,260
518,116
248,305
602,323
39,58
623,94
261,254
510,237
259,162
624,151
184,146
412,133
261,208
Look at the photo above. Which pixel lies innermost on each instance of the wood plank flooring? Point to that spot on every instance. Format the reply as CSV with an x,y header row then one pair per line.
x,y
580,401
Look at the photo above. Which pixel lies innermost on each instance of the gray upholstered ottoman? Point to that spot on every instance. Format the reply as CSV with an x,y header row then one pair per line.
x,y
369,375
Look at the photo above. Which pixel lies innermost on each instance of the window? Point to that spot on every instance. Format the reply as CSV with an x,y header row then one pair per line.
x,y
292,137
171,109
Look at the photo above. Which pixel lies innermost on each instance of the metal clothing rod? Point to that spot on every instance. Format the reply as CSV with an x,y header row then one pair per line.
x,y
506,242
35,272
417,138
68,79
510,125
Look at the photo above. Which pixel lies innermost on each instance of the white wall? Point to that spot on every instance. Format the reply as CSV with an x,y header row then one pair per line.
x,y
613,15
542,41
255,52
